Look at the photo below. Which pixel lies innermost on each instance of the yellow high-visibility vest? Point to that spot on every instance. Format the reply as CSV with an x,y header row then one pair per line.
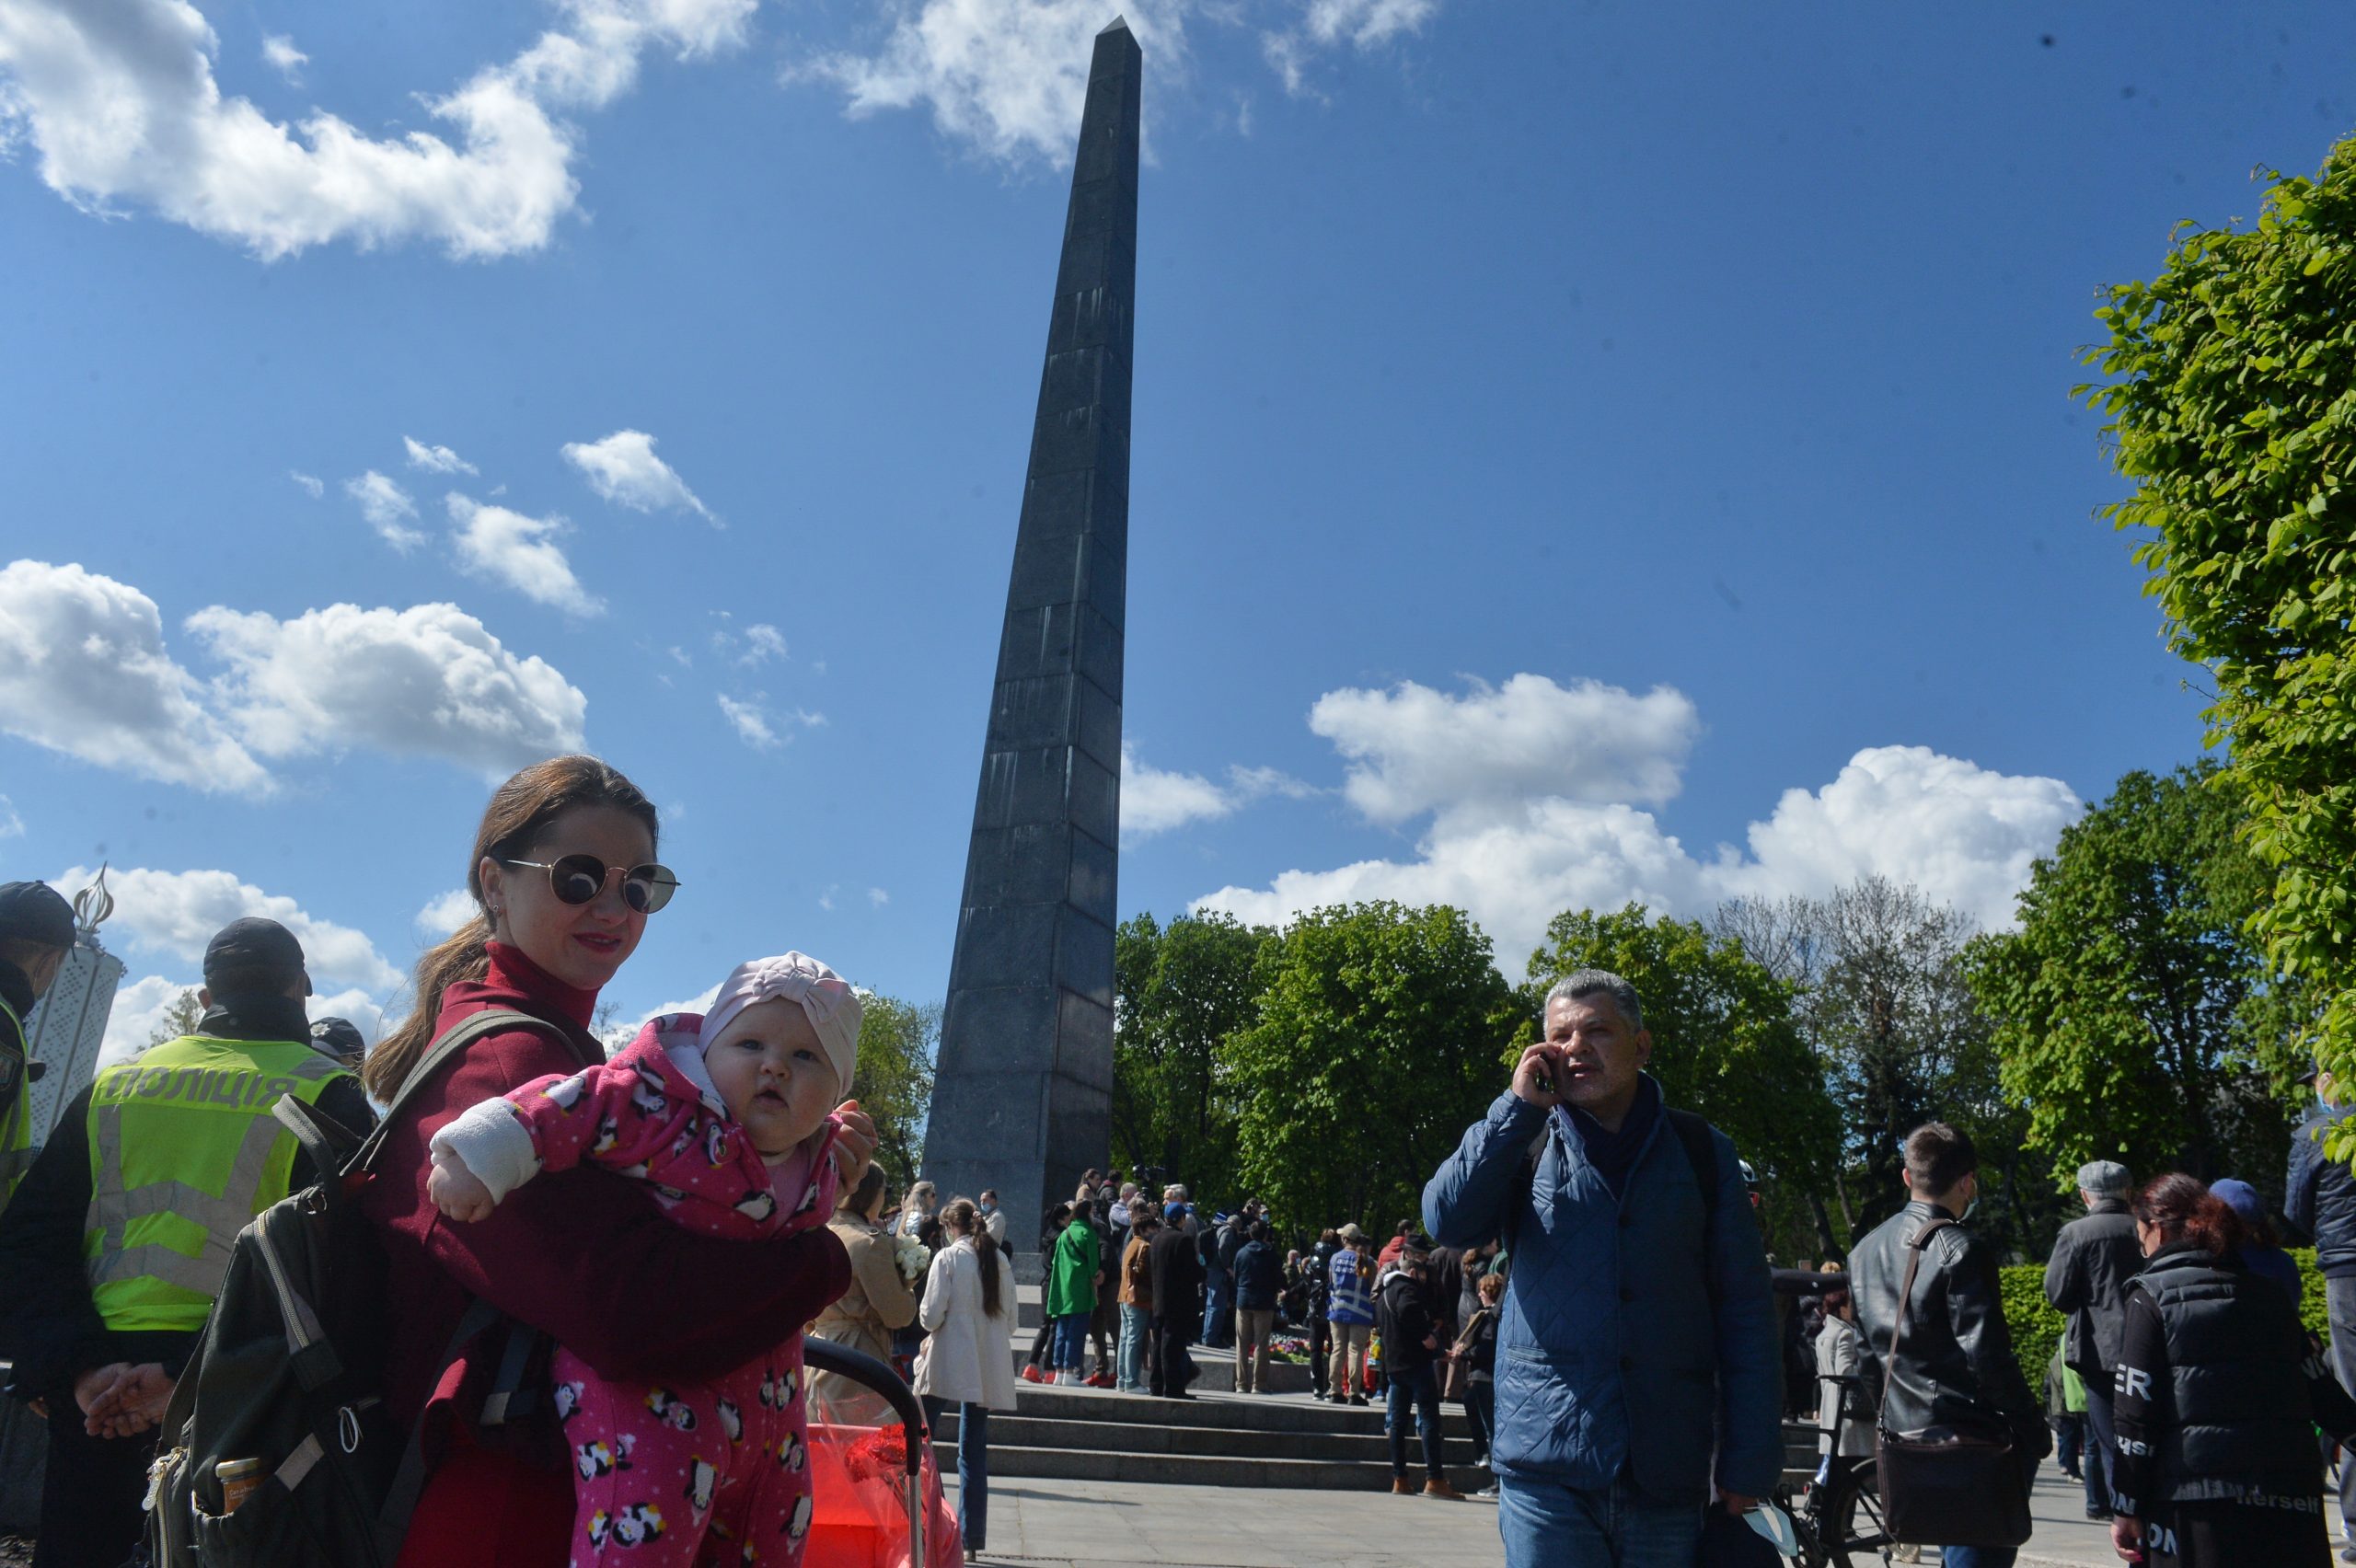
x,y
183,1154
16,1126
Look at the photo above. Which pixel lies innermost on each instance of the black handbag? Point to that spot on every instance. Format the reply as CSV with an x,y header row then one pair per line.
x,y
1956,1491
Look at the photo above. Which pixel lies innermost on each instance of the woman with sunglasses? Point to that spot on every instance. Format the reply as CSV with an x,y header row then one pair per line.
x,y
564,875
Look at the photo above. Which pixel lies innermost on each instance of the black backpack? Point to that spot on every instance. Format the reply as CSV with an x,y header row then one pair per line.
x,y
289,1370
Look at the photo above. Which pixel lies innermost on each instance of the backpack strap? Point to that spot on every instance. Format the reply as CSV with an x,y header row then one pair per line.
x,y
445,1048
1914,1246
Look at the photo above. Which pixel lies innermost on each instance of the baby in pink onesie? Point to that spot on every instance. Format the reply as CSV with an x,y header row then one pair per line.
x,y
728,1117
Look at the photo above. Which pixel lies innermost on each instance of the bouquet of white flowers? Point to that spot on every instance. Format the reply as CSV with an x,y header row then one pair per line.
x,y
911,1257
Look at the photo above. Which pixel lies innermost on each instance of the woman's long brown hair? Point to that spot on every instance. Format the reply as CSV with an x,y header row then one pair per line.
x,y
520,812
963,1217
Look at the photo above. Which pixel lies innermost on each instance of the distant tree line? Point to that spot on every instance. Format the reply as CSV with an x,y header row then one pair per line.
x,y
1330,1067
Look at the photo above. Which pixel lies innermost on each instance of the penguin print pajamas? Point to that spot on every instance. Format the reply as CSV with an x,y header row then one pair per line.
x,y
682,1475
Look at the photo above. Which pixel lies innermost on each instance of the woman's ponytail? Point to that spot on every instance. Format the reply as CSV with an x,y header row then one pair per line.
x,y
464,956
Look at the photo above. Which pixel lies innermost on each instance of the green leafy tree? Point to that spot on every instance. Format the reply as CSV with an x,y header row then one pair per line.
x,y
2133,1014
2232,397
1381,1037
180,1017
1180,990
1884,1005
1724,1046
898,1044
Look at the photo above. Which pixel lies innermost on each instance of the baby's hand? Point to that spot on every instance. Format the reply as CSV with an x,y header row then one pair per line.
x,y
458,1192
855,1144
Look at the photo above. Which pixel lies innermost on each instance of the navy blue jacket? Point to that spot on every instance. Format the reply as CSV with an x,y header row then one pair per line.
x,y
1635,1333
1259,1277
2319,1194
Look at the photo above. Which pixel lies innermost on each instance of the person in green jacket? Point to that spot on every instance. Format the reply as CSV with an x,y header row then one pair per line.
x,y
1073,1275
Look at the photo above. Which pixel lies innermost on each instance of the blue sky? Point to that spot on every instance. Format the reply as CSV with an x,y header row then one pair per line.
x,y
1582,451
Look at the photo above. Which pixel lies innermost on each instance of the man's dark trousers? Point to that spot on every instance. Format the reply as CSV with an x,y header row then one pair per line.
x,y
2100,1445
2339,1302
1321,1346
1173,1365
1415,1390
95,1486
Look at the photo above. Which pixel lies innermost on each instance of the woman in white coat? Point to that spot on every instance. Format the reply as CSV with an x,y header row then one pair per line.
x,y
967,1360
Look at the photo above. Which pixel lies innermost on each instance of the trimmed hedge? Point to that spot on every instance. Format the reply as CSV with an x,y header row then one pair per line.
x,y
2037,1327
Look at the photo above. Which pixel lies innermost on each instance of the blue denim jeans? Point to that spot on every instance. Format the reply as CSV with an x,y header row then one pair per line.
x,y
1415,1395
1218,1306
1072,1342
1546,1526
2101,1436
972,1467
1978,1556
1137,1327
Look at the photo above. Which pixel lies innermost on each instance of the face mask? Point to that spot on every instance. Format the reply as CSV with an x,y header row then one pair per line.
x,y
989,1208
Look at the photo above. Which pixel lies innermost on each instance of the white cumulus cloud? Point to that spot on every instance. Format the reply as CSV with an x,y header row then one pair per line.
x,y
752,726
308,482
388,509
138,1013
435,459
1413,750
427,681
1006,75
12,826
279,53
1962,832
522,552
174,914
83,671
445,914
1154,801
624,469
119,99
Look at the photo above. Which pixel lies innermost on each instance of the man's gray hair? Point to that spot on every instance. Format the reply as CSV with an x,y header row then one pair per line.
x,y
1581,984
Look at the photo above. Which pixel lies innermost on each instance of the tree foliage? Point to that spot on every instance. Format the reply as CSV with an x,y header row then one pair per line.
x,y
2232,397
1381,1036
2133,1015
181,1016
1883,1003
898,1044
1181,989
1724,1045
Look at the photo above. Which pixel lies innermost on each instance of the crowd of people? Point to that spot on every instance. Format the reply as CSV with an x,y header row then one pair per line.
x,y
1586,1278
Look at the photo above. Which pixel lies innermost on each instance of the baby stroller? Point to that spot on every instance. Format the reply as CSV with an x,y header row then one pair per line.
x,y
876,1490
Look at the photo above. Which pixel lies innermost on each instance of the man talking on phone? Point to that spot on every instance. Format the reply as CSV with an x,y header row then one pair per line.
x,y
1637,1368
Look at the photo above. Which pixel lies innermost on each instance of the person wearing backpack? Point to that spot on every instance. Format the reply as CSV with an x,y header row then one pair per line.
x,y
114,1249
563,877
1637,1337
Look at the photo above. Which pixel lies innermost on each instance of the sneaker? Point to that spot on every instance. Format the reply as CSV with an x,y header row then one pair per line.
x,y
1402,1487
1487,1493
1102,1380
1031,1373
1358,1399
2101,1515
2347,1552
1438,1487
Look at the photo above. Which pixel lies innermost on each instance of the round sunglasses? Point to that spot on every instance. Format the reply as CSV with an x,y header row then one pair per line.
x,y
577,879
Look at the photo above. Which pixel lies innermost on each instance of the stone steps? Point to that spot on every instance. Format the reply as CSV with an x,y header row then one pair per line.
x,y
1230,1440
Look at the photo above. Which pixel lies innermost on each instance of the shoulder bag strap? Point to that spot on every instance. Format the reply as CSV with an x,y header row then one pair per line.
x,y
445,1049
1905,1298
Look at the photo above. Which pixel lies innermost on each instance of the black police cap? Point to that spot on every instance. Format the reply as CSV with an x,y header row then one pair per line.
x,y
254,947
337,1037
36,912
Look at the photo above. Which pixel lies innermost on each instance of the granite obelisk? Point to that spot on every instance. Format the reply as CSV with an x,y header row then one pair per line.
x,y
1023,1093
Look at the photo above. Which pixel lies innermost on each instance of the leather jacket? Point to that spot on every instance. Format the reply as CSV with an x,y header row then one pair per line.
x,y
1956,1373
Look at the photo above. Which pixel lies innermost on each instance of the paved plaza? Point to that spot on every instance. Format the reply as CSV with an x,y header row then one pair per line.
x,y
1090,1523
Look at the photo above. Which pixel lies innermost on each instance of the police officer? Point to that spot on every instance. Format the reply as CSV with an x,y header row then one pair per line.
x,y
338,1039
116,1245
36,933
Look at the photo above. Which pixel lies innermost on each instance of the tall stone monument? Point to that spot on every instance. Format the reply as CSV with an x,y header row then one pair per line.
x,y
1023,1094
